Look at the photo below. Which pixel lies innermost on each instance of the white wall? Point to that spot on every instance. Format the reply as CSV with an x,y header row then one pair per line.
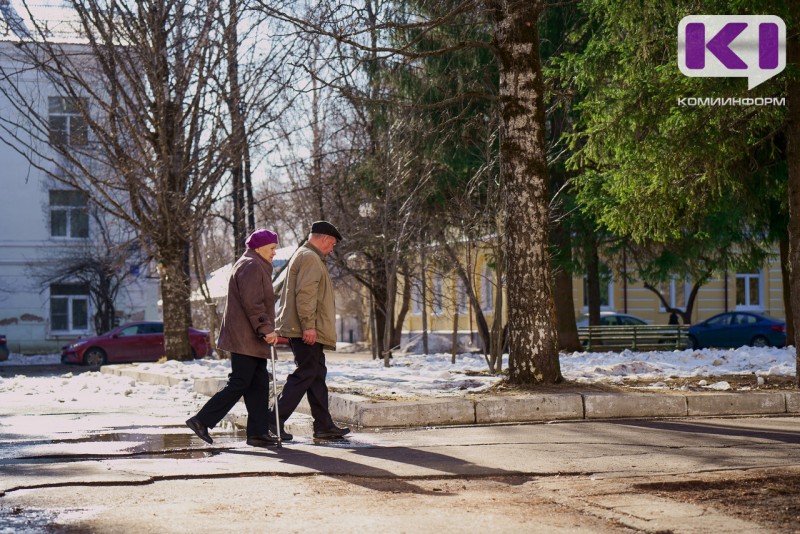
x,y
26,247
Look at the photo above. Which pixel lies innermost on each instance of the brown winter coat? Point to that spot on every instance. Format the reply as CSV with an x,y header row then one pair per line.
x,y
306,300
249,307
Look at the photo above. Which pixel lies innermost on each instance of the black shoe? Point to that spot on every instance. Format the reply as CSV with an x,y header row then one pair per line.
x,y
264,440
332,432
199,428
285,436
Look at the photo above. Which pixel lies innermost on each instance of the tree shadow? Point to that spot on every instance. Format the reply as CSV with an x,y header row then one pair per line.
x,y
716,429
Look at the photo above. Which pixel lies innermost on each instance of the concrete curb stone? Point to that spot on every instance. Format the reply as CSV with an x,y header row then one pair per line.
x,y
144,376
363,412
613,405
529,408
793,402
736,403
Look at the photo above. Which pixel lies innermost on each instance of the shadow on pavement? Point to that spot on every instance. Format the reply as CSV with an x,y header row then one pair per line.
x,y
380,479
717,430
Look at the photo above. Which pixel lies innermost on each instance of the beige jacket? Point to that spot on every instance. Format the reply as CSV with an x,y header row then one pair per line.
x,y
249,307
306,300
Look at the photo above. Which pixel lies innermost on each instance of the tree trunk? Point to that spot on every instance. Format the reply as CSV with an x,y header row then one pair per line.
x,y
175,292
404,307
497,341
391,297
316,146
793,160
423,279
238,137
565,307
593,283
373,330
787,293
248,186
533,347
454,337
379,296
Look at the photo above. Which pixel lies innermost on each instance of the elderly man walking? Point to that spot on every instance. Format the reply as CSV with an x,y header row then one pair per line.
x,y
307,317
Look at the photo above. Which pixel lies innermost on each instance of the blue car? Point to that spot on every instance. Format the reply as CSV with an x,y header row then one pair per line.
x,y
736,329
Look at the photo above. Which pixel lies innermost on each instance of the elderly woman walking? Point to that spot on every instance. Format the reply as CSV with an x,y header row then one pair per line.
x,y
248,328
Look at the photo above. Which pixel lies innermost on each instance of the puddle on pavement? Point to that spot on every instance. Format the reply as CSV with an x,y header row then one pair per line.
x,y
339,443
144,442
16,520
149,443
187,445
183,445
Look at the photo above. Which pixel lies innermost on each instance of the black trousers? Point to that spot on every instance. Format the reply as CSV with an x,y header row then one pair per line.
x,y
249,379
307,379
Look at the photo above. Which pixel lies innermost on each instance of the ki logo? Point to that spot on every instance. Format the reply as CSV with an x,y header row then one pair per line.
x,y
746,46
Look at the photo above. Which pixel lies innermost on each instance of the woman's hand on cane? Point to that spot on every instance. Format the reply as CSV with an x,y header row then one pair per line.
x,y
271,338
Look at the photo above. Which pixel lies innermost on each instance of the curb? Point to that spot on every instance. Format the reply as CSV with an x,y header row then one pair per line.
x,y
363,412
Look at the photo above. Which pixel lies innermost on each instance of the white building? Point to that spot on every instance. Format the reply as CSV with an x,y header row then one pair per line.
x,y
43,221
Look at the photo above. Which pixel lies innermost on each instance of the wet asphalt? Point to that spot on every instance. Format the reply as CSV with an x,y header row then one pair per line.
x,y
50,459
43,370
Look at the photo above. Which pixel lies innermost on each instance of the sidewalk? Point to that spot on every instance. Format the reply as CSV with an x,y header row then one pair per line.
x,y
364,412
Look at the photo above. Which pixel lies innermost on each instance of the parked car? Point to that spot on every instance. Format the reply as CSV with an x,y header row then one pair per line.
x,y
609,318
735,329
3,348
132,342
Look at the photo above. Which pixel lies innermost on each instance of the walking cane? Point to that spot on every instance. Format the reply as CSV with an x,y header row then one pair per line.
x,y
275,396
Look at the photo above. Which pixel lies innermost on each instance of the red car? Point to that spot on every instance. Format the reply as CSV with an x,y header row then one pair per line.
x,y
132,342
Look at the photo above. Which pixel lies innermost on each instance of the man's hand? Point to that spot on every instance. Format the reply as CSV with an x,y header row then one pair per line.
x,y
310,336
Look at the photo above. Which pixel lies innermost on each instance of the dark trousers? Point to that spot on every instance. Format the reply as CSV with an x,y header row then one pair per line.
x,y
249,379
307,379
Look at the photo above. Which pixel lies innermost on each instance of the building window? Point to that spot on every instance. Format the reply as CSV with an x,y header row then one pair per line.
x,y
69,308
461,296
69,215
416,298
437,305
749,291
67,124
606,289
487,289
676,292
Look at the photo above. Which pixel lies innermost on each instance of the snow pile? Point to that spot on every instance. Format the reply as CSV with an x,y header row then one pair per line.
x,y
615,367
409,376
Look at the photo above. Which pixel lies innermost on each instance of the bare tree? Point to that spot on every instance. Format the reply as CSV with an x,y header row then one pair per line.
x,y
146,132
104,266
523,163
362,173
379,219
254,90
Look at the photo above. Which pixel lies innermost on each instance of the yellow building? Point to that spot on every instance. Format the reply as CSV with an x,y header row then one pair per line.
x,y
760,290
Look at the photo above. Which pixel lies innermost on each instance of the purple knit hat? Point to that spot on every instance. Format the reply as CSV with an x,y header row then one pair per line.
x,y
261,237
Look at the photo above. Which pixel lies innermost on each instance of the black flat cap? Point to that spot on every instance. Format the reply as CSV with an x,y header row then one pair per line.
x,y
326,228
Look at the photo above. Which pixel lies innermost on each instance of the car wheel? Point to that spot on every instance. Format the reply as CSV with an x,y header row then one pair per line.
x,y
94,357
759,341
691,343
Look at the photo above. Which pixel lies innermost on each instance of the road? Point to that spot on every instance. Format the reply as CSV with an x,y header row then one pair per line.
x,y
122,469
